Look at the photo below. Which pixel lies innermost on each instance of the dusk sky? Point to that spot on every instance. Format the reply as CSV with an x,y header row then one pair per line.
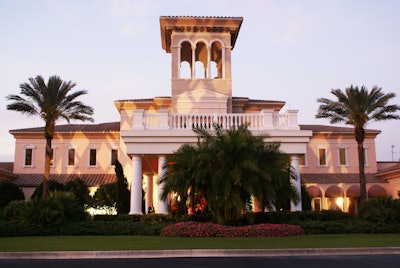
x,y
293,51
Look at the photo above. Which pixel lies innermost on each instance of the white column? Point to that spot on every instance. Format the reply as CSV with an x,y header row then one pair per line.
x,y
162,204
193,62
136,185
294,162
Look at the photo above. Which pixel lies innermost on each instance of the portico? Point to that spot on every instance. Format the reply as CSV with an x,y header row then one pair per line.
x,y
153,128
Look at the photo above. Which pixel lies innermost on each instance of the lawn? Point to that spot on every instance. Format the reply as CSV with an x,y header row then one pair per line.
x,y
81,243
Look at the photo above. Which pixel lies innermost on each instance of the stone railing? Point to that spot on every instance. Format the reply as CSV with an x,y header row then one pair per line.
x,y
265,120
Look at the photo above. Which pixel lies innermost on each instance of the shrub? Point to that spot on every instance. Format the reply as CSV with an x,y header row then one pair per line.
x,y
9,192
380,209
197,229
80,190
53,186
106,197
58,208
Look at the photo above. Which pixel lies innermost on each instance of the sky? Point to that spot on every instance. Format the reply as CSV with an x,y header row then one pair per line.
x,y
292,51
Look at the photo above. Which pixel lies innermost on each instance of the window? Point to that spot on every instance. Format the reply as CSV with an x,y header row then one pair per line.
x,y
342,157
322,156
114,156
28,158
92,157
71,157
316,204
302,160
53,157
365,156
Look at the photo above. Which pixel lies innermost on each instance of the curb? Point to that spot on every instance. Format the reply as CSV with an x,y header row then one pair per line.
x,y
199,253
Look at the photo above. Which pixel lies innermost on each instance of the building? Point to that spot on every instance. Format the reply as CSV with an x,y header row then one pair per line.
x,y
324,157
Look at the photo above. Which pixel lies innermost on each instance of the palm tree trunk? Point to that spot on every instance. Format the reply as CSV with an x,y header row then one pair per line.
x,y
49,134
360,134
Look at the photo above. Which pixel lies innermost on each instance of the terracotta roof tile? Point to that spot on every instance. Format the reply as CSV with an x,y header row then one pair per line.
x,y
395,167
33,180
323,128
7,166
327,178
102,127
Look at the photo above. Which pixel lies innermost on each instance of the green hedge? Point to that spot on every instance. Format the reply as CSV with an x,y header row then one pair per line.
x,y
348,227
83,228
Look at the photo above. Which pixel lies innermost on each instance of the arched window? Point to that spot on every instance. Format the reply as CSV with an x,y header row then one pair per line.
x,y
216,60
201,60
185,70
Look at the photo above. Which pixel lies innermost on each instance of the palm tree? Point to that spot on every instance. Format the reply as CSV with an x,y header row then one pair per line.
x,y
358,107
50,102
227,168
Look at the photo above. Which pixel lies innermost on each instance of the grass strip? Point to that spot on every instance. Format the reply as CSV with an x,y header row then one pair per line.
x,y
84,243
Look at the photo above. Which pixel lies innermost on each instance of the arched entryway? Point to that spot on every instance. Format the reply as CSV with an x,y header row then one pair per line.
x,y
334,195
377,191
315,194
353,194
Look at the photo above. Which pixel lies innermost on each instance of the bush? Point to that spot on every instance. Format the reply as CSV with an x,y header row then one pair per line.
x,y
58,208
197,229
106,197
381,210
9,192
348,227
53,186
80,190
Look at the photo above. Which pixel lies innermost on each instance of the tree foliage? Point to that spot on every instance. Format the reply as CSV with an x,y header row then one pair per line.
x,y
357,107
50,101
9,192
123,193
80,191
106,197
228,168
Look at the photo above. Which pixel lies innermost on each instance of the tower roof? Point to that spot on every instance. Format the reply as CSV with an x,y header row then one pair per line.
x,y
168,24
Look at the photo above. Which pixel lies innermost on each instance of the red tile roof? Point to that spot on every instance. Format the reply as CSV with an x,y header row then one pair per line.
x,y
323,128
327,178
33,180
102,127
7,166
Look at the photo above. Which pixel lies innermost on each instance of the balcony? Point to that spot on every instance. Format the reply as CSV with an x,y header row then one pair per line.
x,y
163,120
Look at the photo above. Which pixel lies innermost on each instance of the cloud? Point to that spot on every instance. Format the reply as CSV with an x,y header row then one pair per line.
x,y
133,16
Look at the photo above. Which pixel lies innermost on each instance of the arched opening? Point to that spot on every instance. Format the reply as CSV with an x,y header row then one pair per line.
x,y
377,191
216,60
201,60
353,193
315,194
334,195
185,68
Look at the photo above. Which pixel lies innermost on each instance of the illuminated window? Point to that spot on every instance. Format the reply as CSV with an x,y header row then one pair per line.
x,y
302,160
53,157
322,156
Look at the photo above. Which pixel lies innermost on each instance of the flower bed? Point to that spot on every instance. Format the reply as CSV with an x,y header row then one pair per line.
x,y
198,229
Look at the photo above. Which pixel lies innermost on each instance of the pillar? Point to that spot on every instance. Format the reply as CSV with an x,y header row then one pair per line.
x,y
162,204
294,162
136,185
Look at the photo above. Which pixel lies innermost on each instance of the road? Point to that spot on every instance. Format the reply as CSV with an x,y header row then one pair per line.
x,y
344,261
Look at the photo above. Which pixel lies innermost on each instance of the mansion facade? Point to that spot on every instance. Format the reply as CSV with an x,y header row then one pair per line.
x,y
324,158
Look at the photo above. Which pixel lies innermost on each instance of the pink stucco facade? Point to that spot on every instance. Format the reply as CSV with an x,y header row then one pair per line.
x,y
324,157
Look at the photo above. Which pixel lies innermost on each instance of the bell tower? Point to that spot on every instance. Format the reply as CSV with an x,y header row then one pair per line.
x,y
200,47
